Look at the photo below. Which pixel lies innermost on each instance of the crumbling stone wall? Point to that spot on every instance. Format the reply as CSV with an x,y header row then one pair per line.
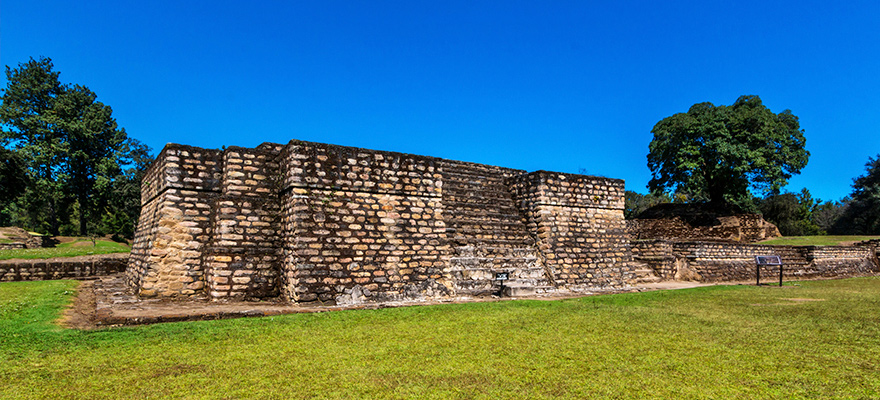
x,y
719,262
745,228
62,268
317,222
579,224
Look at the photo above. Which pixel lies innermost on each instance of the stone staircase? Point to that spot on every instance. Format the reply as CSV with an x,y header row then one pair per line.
x,y
487,233
644,274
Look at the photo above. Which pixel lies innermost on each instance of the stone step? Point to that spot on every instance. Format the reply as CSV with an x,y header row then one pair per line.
x,y
470,273
461,167
468,209
509,231
507,227
645,275
527,290
512,288
464,176
483,214
493,242
477,196
474,268
492,251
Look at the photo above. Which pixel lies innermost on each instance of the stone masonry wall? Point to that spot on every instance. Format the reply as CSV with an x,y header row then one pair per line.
x,y
241,259
717,262
62,268
579,224
177,199
361,225
312,222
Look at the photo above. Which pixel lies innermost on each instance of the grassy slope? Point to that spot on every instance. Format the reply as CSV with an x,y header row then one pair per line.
x,y
817,240
715,342
66,250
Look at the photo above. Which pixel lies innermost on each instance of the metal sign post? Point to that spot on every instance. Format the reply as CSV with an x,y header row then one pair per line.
x,y
501,277
767,260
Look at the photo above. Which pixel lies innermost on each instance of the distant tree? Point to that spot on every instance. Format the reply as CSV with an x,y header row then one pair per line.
x,y
73,150
717,154
862,213
635,202
122,197
826,214
28,113
94,146
791,213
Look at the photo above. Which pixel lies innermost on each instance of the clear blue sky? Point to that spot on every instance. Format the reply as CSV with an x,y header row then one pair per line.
x,y
551,85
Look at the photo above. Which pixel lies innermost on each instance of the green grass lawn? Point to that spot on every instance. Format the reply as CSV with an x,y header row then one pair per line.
x,y
79,247
817,240
719,342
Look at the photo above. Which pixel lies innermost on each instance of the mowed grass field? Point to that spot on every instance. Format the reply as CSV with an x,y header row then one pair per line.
x,y
820,240
805,340
77,247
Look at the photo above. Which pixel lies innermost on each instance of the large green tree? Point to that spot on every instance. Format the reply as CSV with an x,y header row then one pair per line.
x,y
717,154
72,148
32,131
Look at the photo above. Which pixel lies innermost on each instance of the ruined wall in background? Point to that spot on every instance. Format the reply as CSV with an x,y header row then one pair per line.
x,y
726,262
62,268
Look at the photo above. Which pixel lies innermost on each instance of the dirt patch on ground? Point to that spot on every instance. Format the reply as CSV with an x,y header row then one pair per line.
x,y
80,314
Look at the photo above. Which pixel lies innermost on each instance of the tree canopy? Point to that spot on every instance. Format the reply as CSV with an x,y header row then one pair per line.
x,y
717,154
861,214
76,159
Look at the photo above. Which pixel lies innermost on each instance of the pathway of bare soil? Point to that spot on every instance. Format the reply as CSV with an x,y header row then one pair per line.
x,y
106,302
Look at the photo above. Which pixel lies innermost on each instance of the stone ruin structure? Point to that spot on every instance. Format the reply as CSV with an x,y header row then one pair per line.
x,y
312,222
743,228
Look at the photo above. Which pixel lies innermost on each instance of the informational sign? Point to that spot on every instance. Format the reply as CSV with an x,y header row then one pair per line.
x,y
768,260
502,276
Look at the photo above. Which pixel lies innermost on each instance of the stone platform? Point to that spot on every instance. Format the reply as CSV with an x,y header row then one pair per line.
x,y
108,302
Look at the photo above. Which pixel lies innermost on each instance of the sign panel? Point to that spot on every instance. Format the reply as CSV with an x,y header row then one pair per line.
x,y
768,260
502,276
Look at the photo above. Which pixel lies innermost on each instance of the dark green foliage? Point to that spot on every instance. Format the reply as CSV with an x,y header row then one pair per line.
x,y
826,214
717,154
792,213
862,212
13,178
74,153
635,203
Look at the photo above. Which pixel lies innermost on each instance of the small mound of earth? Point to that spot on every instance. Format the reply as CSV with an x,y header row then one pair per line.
x,y
14,233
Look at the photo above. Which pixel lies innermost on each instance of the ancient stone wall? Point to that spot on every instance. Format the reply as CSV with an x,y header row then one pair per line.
x,y
177,199
361,225
62,268
317,222
745,228
717,261
579,224
313,222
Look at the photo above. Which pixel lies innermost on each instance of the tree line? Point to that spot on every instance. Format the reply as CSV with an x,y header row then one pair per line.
x,y
738,158
66,167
